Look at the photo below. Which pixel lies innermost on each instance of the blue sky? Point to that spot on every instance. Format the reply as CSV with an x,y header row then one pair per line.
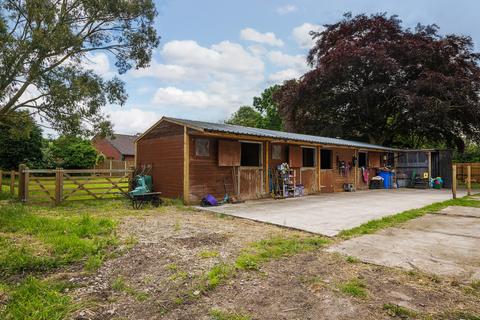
x,y
217,55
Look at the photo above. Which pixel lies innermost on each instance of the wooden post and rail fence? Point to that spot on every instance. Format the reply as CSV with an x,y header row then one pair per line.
x,y
465,174
55,186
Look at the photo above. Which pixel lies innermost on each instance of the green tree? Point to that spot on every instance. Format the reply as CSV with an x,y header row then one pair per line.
x,y
264,113
43,44
71,152
20,141
246,116
268,109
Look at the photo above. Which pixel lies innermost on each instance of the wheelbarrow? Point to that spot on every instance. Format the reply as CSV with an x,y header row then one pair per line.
x,y
143,194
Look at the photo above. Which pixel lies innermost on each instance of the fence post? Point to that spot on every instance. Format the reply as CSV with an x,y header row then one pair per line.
x,y
469,180
454,181
110,167
1,180
131,179
58,186
12,182
26,186
21,182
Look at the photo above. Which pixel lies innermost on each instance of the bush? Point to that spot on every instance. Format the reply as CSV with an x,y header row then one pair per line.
x,y
71,153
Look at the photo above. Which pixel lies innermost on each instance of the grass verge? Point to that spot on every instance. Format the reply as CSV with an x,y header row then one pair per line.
x,y
389,221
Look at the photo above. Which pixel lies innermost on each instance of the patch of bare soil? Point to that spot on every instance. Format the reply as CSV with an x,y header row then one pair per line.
x,y
306,286
174,248
170,251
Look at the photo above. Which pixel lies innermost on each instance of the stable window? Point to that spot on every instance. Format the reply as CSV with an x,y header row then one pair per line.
x,y
250,156
308,156
202,147
325,159
276,152
362,159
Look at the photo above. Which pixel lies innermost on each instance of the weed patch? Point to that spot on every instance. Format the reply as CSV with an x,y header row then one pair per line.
x,y
351,259
120,285
354,288
394,310
208,254
93,263
264,250
473,288
228,315
218,275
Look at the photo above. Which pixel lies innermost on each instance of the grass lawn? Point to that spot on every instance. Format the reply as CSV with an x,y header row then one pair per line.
x,y
37,240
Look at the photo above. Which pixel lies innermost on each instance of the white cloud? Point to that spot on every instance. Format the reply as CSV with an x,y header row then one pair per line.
x,y
301,34
281,59
98,63
288,8
132,121
224,57
294,65
269,38
222,76
169,72
171,96
282,75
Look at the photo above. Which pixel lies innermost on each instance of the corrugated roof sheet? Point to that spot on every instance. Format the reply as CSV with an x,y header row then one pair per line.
x,y
235,129
124,143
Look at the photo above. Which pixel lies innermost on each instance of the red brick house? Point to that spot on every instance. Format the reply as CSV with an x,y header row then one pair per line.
x,y
118,147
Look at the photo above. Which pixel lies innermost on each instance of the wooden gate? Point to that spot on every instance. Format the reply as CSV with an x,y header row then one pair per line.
x,y
250,182
58,185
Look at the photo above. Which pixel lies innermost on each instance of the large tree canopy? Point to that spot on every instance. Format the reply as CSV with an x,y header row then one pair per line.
x,y
43,44
375,81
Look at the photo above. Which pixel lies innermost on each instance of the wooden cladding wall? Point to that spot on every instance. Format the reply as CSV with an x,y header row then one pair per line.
x,y
229,153
206,176
295,156
349,176
374,159
165,154
164,129
273,163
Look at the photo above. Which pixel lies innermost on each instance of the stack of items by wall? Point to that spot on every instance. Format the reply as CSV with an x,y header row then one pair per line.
x,y
283,182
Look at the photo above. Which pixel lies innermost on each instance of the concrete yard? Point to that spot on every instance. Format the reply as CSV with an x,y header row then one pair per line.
x,y
330,213
445,244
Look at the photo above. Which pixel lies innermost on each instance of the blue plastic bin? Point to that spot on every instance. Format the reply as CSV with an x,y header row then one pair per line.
x,y
387,179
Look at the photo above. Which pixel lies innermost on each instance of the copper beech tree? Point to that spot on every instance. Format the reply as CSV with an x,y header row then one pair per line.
x,y
375,81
